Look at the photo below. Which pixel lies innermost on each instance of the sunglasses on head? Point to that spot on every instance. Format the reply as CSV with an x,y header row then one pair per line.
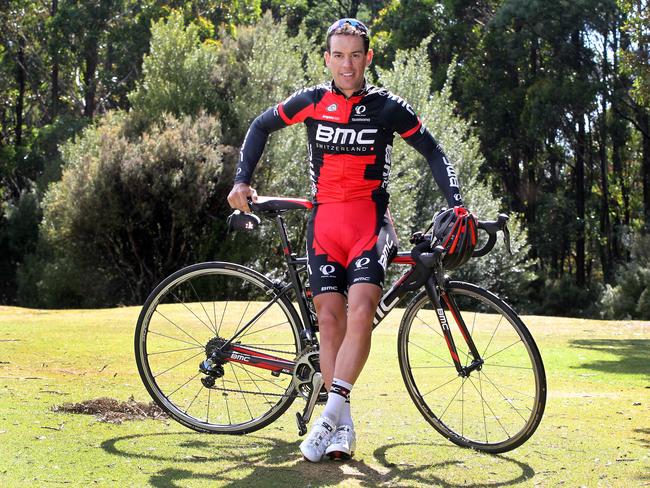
x,y
357,24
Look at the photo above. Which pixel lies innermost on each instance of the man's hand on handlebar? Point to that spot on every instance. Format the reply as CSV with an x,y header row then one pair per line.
x,y
239,195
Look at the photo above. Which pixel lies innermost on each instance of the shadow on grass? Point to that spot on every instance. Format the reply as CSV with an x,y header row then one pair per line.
x,y
261,461
632,355
644,437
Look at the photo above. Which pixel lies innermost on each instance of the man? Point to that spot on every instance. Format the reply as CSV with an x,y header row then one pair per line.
x,y
350,237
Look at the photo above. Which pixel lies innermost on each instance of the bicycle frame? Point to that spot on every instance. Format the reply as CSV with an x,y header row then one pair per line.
x,y
411,280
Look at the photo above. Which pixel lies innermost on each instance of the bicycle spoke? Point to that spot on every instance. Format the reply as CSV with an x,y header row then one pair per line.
x,y
480,382
193,377
261,378
261,330
462,382
176,365
174,338
491,338
257,386
173,350
223,314
191,311
178,327
207,413
496,417
500,351
242,394
432,354
225,396
492,365
438,387
248,304
510,388
508,401
430,328
194,399
213,328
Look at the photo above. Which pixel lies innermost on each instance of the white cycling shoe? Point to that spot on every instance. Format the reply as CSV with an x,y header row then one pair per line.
x,y
313,447
342,444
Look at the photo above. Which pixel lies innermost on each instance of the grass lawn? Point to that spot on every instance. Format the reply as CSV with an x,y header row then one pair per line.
x,y
595,432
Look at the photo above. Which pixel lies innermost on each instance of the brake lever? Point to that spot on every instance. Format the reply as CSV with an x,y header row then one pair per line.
x,y
506,239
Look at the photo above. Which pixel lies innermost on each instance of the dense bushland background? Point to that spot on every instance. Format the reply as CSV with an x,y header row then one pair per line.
x,y
120,123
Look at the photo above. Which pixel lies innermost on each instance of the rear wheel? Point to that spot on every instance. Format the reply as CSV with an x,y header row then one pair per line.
x,y
193,312
495,408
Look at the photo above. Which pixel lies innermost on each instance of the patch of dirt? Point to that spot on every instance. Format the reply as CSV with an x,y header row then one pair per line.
x,y
113,411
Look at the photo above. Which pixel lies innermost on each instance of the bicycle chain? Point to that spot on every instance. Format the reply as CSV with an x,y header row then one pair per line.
x,y
253,392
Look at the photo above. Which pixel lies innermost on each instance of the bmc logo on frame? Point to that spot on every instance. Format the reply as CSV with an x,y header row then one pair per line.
x,y
344,136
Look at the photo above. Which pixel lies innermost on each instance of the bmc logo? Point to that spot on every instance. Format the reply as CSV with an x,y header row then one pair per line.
x,y
344,136
239,357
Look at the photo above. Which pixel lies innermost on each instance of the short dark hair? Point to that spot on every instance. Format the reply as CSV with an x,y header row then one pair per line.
x,y
348,29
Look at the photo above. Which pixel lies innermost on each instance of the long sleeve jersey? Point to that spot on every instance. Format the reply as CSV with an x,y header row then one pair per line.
x,y
350,142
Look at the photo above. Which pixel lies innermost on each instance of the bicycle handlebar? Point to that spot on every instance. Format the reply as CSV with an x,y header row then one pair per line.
x,y
492,227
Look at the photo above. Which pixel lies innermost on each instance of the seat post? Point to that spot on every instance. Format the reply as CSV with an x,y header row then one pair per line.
x,y
284,237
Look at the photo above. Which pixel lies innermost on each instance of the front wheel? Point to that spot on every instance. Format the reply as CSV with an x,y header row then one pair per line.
x,y
493,409
195,312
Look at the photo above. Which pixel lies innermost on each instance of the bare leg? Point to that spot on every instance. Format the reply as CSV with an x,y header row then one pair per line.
x,y
353,352
330,309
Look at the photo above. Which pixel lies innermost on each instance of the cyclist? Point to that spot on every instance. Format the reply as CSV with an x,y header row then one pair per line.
x,y
350,238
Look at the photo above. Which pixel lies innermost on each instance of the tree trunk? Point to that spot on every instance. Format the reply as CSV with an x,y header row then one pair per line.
x,y
605,243
580,201
644,123
90,82
21,77
54,75
579,171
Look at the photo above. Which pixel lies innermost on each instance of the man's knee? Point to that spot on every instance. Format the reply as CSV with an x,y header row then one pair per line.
x,y
362,310
331,312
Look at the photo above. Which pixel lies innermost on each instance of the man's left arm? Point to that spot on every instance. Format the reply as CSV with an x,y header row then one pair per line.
x,y
411,129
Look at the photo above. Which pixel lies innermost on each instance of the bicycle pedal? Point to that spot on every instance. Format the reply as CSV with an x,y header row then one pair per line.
x,y
302,425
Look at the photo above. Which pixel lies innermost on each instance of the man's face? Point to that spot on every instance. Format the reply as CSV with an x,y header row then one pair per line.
x,y
347,62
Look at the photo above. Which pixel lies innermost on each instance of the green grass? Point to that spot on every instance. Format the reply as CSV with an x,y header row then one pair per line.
x,y
595,432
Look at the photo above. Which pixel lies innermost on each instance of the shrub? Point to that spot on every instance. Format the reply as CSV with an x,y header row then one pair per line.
x,y
630,297
127,213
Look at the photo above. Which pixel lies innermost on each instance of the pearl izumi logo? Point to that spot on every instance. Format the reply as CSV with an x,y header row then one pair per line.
x,y
345,136
360,109
326,269
360,263
331,108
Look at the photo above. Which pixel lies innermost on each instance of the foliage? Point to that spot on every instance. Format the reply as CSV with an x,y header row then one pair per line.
x,y
177,72
637,59
630,297
126,213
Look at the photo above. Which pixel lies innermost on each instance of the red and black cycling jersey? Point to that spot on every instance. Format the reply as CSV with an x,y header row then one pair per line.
x,y
350,141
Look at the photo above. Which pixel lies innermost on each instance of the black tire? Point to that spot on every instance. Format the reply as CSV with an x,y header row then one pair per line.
x,y
209,302
494,409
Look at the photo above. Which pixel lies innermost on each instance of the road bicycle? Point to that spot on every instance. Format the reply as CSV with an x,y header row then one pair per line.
x,y
222,348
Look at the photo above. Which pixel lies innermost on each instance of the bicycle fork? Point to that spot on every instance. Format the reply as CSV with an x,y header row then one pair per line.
x,y
437,296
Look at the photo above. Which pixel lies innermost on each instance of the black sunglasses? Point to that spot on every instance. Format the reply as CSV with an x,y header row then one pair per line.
x,y
357,24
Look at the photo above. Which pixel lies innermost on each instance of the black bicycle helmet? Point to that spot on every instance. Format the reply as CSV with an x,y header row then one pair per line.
x,y
455,230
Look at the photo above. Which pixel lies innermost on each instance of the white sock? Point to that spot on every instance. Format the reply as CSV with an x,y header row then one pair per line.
x,y
346,416
338,394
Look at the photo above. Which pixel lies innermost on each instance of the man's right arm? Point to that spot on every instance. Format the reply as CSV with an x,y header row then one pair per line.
x,y
293,110
249,155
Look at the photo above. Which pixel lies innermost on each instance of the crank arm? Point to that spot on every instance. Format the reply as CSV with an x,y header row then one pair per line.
x,y
303,420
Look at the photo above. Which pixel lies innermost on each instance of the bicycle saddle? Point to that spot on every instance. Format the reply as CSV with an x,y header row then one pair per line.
x,y
279,204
